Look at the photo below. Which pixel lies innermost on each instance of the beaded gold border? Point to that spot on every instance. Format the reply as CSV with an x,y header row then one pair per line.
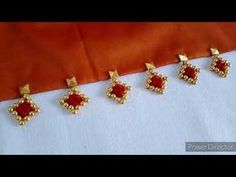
x,y
185,77
23,120
71,108
155,89
216,70
113,96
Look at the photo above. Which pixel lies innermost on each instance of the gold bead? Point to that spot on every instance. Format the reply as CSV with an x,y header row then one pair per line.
x,y
10,109
70,92
22,123
21,101
18,117
65,97
74,89
83,103
33,105
31,113
75,111
15,105
87,100
14,113
61,101
122,102
77,107
66,105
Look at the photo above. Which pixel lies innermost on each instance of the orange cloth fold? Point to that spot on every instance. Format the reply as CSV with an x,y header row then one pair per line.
x,y
43,54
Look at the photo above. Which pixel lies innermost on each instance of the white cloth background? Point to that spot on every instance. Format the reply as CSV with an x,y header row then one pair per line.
x,y
146,124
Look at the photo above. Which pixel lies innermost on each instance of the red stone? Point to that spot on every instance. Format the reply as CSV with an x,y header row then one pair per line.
x,y
156,81
74,100
24,109
221,65
190,72
118,90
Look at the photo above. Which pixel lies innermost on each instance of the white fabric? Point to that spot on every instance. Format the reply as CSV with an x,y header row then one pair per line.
x,y
147,124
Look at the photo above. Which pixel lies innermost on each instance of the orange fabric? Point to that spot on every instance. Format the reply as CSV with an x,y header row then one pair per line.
x,y
44,54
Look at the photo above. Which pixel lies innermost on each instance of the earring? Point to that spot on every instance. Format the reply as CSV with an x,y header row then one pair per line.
x,y
74,100
188,72
24,109
155,81
117,90
218,65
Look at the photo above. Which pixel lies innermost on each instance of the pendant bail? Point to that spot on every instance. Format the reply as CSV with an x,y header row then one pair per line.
x,y
183,58
150,66
24,90
113,75
71,82
215,52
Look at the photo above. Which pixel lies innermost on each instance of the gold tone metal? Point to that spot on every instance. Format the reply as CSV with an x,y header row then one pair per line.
x,y
183,58
215,58
150,73
24,90
184,64
114,80
71,82
214,51
150,66
113,74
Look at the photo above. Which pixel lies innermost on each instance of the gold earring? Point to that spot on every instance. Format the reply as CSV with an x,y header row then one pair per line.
x,y
155,81
188,72
24,109
117,90
74,100
219,65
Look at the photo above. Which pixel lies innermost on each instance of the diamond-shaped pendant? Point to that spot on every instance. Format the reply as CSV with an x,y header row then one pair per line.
x,y
73,100
117,90
155,82
24,109
219,65
187,71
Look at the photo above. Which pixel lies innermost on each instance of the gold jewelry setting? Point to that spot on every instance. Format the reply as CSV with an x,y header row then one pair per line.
x,y
219,65
155,82
73,100
117,90
188,72
24,109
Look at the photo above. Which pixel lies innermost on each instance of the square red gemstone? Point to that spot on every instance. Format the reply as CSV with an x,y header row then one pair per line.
x,y
118,90
23,109
190,72
156,81
221,65
74,100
